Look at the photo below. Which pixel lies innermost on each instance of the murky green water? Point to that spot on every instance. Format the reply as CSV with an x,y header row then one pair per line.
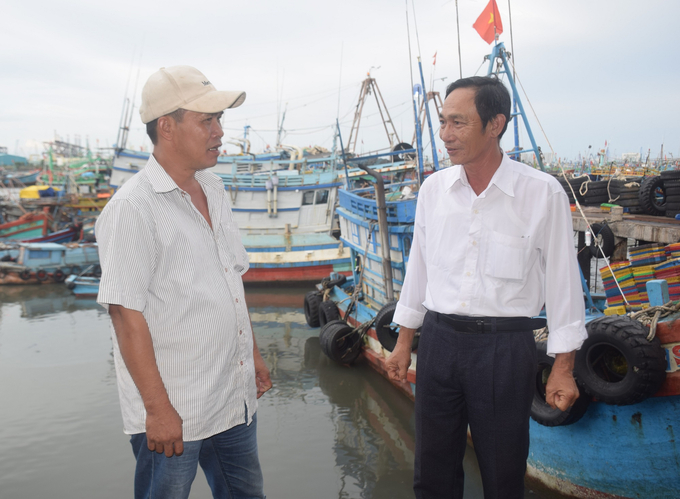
x,y
325,431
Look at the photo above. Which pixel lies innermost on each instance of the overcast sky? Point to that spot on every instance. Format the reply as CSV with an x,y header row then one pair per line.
x,y
593,70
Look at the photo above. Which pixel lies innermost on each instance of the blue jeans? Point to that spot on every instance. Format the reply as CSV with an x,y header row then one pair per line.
x,y
229,460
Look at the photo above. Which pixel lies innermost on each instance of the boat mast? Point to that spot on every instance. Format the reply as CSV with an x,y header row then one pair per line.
x,y
498,63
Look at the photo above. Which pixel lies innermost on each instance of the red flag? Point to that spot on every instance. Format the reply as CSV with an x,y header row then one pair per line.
x,y
489,24
434,59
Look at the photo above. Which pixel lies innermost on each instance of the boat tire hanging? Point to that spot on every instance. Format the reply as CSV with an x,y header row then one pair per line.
x,y
41,275
617,364
387,331
25,275
340,342
541,412
605,236
328,311
311,306
653,196
58,275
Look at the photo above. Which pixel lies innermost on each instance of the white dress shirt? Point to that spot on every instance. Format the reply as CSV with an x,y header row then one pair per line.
x,y
160,257
504,253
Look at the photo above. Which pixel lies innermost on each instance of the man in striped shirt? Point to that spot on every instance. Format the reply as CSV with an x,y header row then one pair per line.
x,y
188,368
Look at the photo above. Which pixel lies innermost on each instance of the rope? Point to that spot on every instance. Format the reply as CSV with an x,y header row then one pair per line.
x,y
650,316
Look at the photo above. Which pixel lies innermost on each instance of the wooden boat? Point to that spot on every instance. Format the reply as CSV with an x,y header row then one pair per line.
x,y
36,263
283,208
30,225
83,286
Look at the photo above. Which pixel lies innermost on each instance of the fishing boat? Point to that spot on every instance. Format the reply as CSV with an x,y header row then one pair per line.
x,y
36,263
618,441
83,286
28,226
20,178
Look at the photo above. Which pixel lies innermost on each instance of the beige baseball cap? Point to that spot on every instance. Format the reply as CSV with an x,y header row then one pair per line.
x,y
184,87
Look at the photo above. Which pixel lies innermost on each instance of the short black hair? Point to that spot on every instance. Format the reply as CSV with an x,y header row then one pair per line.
x,y
152,126
491,97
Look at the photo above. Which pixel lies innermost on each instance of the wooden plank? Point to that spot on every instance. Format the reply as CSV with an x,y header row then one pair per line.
x,y
640,227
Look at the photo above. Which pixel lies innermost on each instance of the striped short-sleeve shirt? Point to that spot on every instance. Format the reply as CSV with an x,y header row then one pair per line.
x,y
160,257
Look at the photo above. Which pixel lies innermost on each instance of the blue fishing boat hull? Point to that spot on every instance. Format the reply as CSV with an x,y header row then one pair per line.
x,y
613,451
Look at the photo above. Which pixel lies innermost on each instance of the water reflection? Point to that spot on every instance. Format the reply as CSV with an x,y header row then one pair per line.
x,y
325,431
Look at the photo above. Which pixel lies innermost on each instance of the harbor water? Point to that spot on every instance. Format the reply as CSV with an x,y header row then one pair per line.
x,y
325,431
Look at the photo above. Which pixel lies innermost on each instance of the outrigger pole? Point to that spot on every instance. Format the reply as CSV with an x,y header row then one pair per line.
x,y
499,52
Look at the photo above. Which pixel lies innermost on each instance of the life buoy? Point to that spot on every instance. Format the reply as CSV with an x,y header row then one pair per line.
x,y
541,412
617,364
58,275
604,235
311,306
328,311
41,275
25,274
340,342
387,331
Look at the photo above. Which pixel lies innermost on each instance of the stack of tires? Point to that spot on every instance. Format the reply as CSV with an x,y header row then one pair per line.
x,y
575,185
671,183
626,193
653,195
594,192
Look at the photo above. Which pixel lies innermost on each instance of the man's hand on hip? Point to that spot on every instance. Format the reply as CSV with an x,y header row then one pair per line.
x,y
400,359
164,431
561,391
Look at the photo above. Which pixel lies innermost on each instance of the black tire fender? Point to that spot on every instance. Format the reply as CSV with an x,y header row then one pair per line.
x,y
617,364
41,275
328,311
541,412
25,274
653,196
388,332
340,342
311,306
605,236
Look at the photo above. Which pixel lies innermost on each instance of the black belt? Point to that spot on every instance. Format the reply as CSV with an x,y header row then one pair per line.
x,y
466,324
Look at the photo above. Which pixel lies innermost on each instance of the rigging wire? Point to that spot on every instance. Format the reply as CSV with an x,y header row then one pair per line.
x,y
564,174
460,59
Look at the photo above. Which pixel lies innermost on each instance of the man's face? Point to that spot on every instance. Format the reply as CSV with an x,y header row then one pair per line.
x,y
461,128
198,139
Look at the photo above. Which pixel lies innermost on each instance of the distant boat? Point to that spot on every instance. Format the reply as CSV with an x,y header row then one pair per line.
x,y
83,286
283,208
20,178
35,263
30,225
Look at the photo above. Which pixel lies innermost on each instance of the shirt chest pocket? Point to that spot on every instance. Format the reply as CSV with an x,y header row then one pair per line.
x,y
507,256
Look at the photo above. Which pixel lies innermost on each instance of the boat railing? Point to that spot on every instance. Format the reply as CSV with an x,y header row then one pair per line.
x,y
398,212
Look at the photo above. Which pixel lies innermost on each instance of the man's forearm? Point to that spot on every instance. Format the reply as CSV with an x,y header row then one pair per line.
x,y
136,347
406,335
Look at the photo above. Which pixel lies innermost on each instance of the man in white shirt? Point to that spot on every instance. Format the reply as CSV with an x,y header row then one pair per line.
x,y
188,368
492,244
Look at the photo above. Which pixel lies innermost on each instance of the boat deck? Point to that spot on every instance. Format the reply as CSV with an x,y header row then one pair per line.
x,y
640,227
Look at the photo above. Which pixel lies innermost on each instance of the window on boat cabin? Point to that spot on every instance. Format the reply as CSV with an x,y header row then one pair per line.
x,y
38,254
321,197
308,198
315,197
